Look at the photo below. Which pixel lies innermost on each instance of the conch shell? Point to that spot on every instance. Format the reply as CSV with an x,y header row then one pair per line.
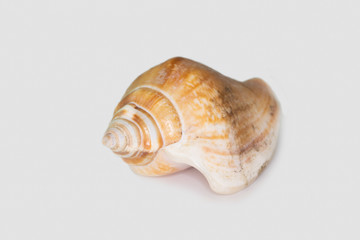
x,y
183,114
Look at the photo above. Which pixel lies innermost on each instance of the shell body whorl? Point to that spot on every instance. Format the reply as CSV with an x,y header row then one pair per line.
x,y
182,113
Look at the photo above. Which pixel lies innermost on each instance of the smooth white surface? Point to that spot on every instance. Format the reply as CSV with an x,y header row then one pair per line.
x,y
64,65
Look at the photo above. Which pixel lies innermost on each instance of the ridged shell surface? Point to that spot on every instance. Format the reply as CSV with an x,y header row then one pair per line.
x,y
183,114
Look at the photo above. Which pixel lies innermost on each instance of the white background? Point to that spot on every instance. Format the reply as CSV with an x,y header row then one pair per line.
x,y
64,65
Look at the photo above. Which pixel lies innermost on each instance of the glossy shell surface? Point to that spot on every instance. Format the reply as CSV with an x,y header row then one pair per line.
x,y
183,114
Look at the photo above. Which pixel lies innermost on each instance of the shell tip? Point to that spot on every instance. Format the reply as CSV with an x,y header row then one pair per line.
x,y
109,140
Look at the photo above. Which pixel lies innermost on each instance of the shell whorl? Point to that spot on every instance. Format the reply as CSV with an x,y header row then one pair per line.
x,y
144,121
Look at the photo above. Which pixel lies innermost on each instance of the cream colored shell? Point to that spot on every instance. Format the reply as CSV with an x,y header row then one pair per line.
x,y
183,114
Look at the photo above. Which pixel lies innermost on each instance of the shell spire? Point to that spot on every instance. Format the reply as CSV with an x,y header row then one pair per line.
x,y
183,114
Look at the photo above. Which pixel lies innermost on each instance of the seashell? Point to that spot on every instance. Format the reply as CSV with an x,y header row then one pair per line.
x,y
183,114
